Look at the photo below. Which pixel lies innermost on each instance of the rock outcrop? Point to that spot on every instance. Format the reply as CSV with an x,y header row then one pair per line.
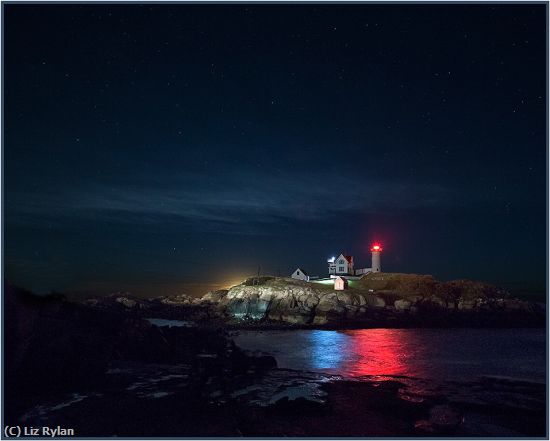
x,y
178,307
291,301
377,299
55,346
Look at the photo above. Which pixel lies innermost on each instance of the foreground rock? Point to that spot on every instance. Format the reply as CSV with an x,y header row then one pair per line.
x,y
54,346
379,299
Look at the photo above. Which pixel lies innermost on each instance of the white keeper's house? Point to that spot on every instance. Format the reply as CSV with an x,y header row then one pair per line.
x,y
341,265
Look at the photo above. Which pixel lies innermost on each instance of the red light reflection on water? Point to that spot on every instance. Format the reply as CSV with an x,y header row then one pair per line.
x,y
385,352
369,352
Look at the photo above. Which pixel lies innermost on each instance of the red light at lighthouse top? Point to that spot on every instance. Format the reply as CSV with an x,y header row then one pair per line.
x,y
376,247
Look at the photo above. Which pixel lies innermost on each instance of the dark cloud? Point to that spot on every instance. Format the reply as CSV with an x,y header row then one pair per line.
x,y
241,199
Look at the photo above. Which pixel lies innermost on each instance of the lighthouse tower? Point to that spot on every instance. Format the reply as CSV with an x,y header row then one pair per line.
x,y
376,249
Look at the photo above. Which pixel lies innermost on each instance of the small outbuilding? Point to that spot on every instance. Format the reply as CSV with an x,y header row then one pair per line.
x,y
340,283
300,274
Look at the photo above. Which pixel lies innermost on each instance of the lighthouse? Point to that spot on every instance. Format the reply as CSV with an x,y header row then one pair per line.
x,y
376,249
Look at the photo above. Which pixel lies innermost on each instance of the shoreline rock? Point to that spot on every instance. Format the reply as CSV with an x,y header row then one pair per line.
x,y
54,346
376,300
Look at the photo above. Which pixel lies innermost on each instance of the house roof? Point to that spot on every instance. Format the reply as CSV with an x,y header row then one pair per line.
x,y
303,272
348,258
340,277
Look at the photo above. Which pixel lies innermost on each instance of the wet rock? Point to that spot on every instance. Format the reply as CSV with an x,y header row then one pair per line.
x,y
298,406
441,303
128,303
516,305
119,300
329,303
375,301
91,302
444,417
402,305
297,319
263,361
215,296
466,304
424,426
180,299
320,320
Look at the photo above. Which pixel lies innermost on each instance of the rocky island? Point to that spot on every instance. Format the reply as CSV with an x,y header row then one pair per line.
x,y
375,300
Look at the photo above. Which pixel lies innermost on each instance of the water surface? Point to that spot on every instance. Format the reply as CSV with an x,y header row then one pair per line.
x,y
432,354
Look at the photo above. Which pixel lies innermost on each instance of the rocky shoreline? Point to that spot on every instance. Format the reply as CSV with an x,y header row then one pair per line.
x,y
55,347
102,368
377,300
164,400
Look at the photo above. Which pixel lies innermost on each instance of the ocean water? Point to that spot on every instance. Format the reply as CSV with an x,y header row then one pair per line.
x,y
437,355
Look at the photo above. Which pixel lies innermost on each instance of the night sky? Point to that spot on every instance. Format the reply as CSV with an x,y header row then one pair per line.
x,y
166,149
